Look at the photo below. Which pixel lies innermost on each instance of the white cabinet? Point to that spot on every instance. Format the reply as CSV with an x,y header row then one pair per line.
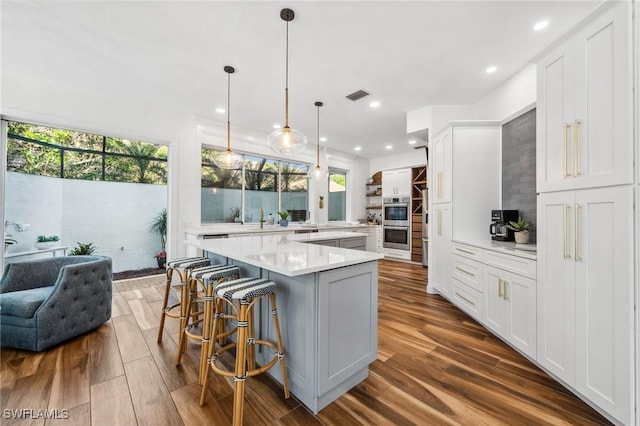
x,y
442,163
584,95
585,293
510,308
440,251
396,183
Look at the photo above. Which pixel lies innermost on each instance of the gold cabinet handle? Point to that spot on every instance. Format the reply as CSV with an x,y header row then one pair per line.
x,y
506,287
576,225
576,142
500,284
565,234
439,222
439,176
565,174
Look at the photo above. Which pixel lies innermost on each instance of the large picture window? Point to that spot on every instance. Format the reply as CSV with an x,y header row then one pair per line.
x,y
261,183
337,195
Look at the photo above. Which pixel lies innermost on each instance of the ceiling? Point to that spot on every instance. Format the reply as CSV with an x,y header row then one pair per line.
x,y
169,56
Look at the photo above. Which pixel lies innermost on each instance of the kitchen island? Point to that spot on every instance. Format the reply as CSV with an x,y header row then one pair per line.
x,y
327,299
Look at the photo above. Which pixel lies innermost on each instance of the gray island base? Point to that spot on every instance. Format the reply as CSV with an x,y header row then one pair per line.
x,y
327,299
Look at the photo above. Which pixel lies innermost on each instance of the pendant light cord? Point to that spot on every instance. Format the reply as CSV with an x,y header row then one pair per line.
x,y
228,113
286,83
318,141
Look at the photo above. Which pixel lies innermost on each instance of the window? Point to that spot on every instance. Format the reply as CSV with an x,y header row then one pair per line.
x,y
63,153
262,183
337,195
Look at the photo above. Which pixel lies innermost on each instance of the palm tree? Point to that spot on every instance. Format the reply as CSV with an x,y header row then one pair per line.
x,y
159,226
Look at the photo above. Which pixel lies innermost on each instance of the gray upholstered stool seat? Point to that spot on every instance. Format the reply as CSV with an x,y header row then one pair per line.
x,y
183,267
241,295
206,277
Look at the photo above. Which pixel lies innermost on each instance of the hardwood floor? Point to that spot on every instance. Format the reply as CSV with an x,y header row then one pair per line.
x,y
435,366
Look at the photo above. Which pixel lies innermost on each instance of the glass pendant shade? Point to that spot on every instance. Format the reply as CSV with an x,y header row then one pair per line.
x,y
287,141
228,159
318,173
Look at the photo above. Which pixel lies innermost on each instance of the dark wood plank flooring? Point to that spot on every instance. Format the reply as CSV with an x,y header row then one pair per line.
x,y
435,366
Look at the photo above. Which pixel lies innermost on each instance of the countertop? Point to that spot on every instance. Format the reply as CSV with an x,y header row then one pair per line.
x,y
288,254
528,251
254,228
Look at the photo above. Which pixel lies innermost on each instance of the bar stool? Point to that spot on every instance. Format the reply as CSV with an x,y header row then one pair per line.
x,y
183,266
207,278
247,292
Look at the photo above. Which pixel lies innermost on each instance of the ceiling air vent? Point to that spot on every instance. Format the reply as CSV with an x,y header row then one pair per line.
x,y
357,95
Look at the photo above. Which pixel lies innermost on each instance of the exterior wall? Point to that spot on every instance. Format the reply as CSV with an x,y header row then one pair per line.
x,y
113,216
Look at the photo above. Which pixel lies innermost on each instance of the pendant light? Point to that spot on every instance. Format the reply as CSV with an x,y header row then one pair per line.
x,y
228,159
287,140
318,173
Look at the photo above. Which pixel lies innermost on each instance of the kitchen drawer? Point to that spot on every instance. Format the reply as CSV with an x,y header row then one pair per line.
x,y
469,272
332,243
468,299
516,264
354,243
470,252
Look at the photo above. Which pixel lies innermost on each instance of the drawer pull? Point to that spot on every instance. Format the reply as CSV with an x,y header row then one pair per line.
x,y
506,286
465,272
465,299
500,284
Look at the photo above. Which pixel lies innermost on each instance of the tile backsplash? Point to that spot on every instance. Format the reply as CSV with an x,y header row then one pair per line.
x,y
519,167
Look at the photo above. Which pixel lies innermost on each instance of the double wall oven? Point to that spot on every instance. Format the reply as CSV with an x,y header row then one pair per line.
x,y
396,223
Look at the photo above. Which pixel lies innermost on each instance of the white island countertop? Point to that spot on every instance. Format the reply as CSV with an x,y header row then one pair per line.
x,y
288,254
254,228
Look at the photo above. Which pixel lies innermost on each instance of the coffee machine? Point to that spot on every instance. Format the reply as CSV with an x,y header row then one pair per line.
x,y
499,221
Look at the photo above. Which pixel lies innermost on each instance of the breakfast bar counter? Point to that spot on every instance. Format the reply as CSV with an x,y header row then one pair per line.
x,y
327,299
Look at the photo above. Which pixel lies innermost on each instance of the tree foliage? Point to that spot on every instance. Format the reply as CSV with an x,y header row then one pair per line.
x,y
81,155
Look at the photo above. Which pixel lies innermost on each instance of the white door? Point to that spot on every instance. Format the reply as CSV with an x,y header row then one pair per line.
x,y
520,298
440,266
603,256
554,115
442,165
403,183
495,309
556,286
389,183
602,122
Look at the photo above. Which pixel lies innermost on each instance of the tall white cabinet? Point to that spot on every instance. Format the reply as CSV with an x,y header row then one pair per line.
x,y
586,255
465,171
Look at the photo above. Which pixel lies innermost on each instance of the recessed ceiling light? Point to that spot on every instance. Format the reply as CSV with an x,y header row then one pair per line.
x,y
491,70
323,139
221,110
388,147
276,126
357,148
541,25
374,104
412,142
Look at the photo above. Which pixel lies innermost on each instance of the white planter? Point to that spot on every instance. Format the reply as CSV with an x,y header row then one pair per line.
x,y
521,237
46,245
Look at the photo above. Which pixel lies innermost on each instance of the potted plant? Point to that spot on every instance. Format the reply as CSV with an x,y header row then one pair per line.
x,y
521,229
284,218
321,204
83,250
159,226
45,242
161,257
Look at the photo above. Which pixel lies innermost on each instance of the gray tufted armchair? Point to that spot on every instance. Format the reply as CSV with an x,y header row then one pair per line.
x,y
47,301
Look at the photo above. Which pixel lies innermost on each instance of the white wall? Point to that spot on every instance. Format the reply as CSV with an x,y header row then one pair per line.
x,y
114,216
514,95
414,158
